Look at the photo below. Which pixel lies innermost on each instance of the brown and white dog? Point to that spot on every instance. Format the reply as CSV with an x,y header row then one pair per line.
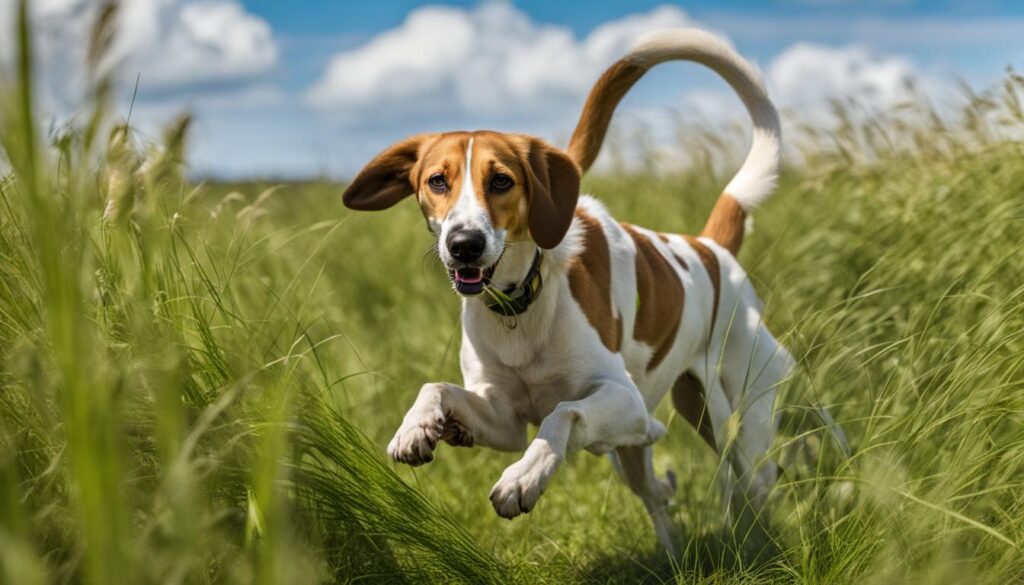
x,y
580,324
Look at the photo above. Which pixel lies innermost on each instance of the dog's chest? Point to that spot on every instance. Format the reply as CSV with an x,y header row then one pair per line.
x,y
518,343
536,360
547,363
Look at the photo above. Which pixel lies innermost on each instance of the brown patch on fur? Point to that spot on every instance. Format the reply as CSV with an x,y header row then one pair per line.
x,y
389,177
597,111
710,262
545,182
494,154
541,200
590,281
688,398
445,155
725,224
681,261
661,296
554,189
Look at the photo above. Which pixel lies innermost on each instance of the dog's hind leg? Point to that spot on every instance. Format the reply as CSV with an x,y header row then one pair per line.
x,y
705,406
754,365
718,412
636,468
740,439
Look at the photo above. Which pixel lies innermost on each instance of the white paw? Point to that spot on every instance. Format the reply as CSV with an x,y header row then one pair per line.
x,y
523,482
416,439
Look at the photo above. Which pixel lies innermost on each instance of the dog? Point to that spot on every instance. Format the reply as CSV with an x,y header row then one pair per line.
x,y
579,324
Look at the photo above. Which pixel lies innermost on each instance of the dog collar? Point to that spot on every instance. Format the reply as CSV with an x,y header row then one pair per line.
x,y
515,299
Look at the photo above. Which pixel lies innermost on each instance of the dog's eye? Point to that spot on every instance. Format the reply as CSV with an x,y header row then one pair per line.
x,y
437,183
501,183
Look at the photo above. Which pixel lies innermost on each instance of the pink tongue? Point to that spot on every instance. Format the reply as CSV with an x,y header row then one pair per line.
x,y
462,276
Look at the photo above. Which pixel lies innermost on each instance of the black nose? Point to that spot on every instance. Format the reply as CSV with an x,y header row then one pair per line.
x,y
466,245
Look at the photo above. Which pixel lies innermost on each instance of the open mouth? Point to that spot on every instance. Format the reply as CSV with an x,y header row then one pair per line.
x,y
469,280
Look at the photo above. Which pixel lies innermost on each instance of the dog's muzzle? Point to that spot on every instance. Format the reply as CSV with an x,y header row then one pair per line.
x,y
466,248
470,280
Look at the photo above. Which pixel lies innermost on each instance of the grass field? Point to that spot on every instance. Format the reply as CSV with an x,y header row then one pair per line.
x,y
198,380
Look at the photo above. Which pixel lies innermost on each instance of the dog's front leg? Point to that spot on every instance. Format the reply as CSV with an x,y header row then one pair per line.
x,y
612,416
458,416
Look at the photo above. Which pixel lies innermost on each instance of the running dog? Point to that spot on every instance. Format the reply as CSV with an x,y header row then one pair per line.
x,y
581,324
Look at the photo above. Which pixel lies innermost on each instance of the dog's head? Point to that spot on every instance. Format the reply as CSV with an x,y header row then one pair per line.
x,y
479,191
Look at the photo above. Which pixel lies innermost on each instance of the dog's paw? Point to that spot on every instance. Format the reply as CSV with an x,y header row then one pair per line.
x,y
523,482
416,439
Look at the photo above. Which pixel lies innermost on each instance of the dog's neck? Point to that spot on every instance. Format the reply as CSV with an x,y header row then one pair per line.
x,y
518,256
514,340
513,268
516,343
514,264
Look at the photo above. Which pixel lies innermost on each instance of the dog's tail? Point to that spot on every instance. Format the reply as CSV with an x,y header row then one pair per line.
x,y
755,180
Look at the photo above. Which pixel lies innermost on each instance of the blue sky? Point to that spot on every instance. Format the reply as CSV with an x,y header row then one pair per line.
x,y
306,87
310,28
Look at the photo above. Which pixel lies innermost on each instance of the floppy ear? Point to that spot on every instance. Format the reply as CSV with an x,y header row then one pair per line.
x,y
554,189
387,179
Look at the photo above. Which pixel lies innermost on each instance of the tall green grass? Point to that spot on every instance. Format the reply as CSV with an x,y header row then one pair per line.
x,y
198,380
167,401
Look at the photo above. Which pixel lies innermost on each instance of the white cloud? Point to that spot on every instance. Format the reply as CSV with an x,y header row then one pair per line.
x,y
176,46
806,78
491,60
198,42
